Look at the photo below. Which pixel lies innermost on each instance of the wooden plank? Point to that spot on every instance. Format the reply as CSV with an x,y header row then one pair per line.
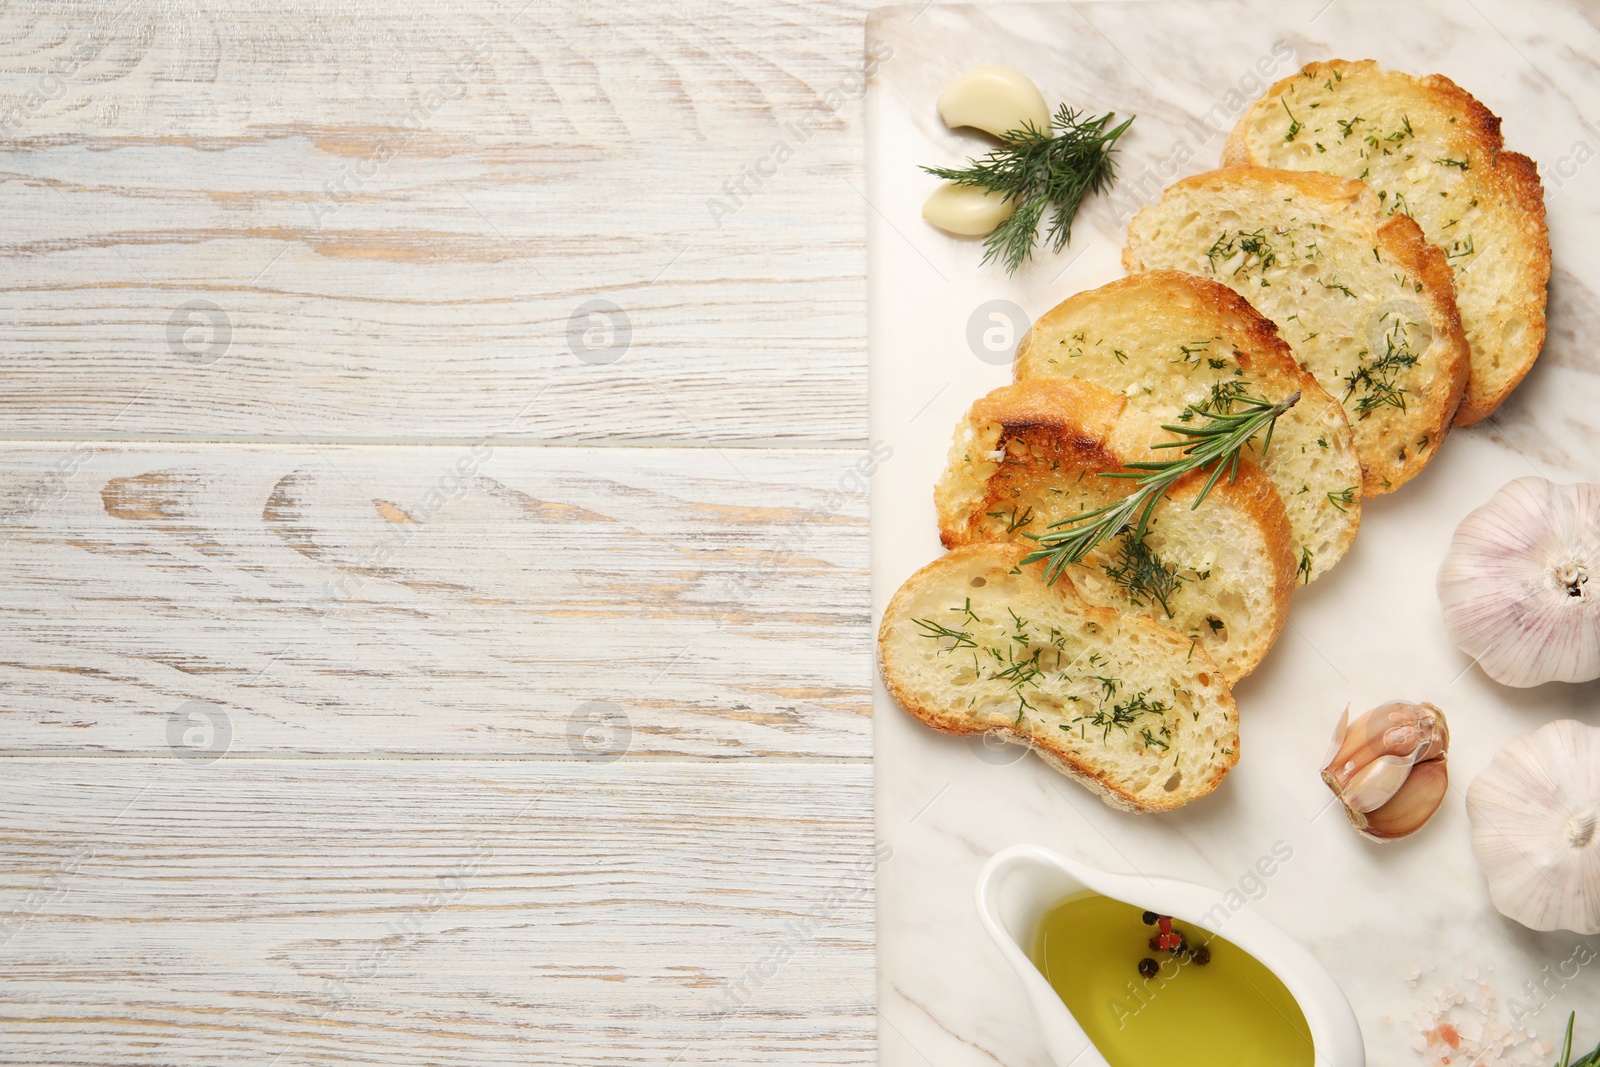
x,y
392,222
329,912
434,600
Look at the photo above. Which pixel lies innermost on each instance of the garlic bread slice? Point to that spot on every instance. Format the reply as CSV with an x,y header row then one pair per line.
x,y
1166,340
1431,151
975,643
1036,452
1367,305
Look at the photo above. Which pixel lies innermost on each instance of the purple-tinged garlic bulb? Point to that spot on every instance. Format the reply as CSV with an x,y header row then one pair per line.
x,y
1521,583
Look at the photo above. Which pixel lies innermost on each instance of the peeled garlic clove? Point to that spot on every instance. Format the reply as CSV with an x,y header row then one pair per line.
x,y
1387,767
1412,806
1520,585
996,100
1414,732
1535,814
966,209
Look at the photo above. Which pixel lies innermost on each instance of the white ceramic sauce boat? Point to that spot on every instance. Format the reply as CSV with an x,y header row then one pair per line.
x,y
1019,884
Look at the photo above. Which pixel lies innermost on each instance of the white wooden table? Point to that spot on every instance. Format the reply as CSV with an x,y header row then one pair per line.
x,y
435,621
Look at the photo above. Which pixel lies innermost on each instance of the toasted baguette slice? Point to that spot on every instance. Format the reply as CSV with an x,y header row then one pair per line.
x,y
1365,302
1032,453
975,642
1165,340
1433,152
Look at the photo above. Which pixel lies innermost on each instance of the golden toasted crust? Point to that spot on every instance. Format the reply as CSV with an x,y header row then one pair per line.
x,y
1255,334
1400,240
1518,177
1328,188
1064,448
1510,177
1098,780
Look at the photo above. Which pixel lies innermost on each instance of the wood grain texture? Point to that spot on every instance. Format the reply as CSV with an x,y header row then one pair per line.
x,y
317,912
467,600
420,303
395,215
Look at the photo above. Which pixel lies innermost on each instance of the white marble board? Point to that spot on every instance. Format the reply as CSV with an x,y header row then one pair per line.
x,y
1369,631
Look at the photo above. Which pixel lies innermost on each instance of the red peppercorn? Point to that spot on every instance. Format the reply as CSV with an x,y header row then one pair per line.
x,y
1165,922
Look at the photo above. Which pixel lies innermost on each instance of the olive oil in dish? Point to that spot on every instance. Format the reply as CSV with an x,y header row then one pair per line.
x,y
1207,1004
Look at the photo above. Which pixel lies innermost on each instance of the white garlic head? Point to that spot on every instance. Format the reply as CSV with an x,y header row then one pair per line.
x,y
1535,814
1520,585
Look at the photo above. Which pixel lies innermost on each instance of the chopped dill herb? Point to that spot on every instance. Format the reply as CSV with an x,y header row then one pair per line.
x,y
1016,520
1140,571
937,631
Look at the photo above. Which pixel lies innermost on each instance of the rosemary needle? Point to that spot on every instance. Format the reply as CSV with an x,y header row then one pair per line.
x,y
1215,444
1591,1060
1037,169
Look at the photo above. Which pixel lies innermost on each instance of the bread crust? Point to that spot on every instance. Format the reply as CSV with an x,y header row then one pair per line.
x,y
1512,176
1005,557
1076,421
1398,237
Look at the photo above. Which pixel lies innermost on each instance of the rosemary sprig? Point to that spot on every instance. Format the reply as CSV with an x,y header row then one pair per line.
x,y
1591,1060
1050,169
1214,444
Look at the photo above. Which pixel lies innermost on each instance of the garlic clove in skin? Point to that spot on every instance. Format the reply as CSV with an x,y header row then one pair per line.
x,y
995,100
966,210
1413,805
1520,585
1535,814
1388,767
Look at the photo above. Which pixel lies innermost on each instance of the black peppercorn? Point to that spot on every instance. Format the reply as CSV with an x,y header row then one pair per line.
x,y
1150,918
1148,968
1202,955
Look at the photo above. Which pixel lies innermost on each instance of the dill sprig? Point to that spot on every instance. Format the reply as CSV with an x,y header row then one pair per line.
x,y
1215,444
1042,170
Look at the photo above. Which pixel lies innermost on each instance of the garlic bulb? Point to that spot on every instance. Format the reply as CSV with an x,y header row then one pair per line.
x,y
1388,768
1521,583
967,210
995,100
1535,813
